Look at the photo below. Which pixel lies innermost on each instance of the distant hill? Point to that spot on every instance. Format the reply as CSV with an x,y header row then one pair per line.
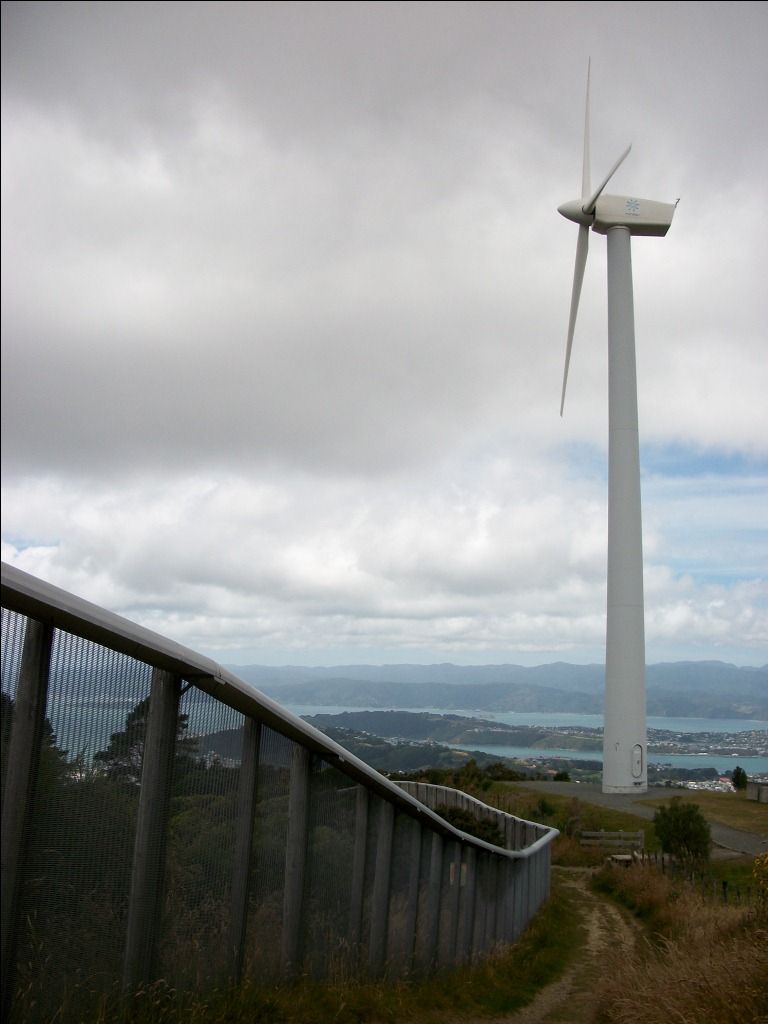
x,y
705,689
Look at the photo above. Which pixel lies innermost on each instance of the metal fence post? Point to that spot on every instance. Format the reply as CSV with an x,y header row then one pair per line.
x,y
358,869
20,784
380,895
145,902
241,867
295,859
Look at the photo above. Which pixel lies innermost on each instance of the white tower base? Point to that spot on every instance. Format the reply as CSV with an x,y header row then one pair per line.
x,y
625,740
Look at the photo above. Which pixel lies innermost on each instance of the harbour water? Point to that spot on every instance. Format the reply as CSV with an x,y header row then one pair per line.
x,y
552,720
85,727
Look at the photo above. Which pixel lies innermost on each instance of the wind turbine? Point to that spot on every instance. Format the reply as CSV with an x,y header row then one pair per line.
x,y
619,217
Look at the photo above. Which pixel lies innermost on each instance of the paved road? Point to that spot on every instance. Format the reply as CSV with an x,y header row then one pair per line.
x,y
722,835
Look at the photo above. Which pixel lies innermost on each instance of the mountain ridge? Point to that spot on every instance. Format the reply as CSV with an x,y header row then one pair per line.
x,y
707,689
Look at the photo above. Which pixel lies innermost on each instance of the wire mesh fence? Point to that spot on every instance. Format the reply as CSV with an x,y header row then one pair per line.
x,y
163,820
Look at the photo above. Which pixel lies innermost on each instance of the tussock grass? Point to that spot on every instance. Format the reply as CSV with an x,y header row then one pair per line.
x,y
703,961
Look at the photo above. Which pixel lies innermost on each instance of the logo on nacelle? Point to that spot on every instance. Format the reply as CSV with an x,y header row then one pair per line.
x,y
632,207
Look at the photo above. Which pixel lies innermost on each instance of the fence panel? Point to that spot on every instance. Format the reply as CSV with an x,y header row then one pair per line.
x,y
405,879
197,913
79,850
267,886
331,836
169,822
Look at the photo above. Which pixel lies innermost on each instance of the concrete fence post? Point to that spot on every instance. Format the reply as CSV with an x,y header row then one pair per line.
x,y
452,876
482,900
491,933
434,884
20,785
509,833
241,866
145,902
381,884
412,902
468,901
295,860
357,885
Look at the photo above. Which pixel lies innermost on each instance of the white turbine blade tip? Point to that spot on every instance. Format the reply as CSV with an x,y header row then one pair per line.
x,y
586,188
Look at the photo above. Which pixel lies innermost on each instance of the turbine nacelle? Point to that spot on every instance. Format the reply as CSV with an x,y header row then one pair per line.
x,y
641,216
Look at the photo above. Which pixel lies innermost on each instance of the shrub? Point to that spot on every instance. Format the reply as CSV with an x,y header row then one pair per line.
x,y
480,828
683,832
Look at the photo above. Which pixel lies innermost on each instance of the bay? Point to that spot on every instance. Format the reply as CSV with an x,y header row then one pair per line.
x,y
551,719
720,762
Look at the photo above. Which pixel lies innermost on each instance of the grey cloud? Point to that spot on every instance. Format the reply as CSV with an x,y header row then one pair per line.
x,y
284,303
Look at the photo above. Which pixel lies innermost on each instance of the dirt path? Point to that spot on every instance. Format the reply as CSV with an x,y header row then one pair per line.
x,y
571,1000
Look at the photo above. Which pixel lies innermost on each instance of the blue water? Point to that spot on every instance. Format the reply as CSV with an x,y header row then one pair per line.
x,y
86,727
553,719
720,762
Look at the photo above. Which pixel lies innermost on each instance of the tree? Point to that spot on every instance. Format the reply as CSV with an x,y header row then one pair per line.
x,y
739,778
683,832
123,757
52,767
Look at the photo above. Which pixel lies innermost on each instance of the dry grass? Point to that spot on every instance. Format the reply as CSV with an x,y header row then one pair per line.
x,y
720,982
705,962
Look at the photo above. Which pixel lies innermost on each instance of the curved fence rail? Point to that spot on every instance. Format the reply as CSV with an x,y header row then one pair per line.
x,y
163,819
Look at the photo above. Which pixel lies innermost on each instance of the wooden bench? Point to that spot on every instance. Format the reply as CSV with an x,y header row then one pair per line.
x,y
613,840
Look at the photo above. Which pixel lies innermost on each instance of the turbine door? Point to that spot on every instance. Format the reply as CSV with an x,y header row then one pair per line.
x,y
637,761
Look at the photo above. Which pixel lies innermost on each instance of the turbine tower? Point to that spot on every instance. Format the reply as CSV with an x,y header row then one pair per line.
x,y
618,218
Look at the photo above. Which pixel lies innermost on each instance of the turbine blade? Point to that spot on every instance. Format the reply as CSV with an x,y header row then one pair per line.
x,y
582,247
589,206
586,188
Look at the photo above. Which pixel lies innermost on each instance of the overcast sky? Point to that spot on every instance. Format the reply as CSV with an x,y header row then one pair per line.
x,y
285,297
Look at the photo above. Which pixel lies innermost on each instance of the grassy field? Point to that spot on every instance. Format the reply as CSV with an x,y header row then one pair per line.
x,y
731,809
570,815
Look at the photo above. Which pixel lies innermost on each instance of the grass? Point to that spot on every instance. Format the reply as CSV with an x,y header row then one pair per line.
x,y
570,815
739,872
707,962
499,984
732,809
